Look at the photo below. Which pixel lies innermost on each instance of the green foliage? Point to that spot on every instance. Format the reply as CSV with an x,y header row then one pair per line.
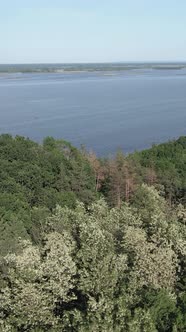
x,y
70,262
98,269
39,176
169,162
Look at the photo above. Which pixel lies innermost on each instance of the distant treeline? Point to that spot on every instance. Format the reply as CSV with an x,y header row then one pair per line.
x,y
90,244
52,68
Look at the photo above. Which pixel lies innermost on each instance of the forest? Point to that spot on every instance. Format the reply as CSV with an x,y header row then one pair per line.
x,y
92,244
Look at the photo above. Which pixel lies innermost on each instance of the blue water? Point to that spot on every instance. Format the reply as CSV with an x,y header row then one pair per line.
x,y
103,111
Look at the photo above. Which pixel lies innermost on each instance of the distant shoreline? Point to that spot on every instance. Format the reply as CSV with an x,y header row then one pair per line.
x,y
80,68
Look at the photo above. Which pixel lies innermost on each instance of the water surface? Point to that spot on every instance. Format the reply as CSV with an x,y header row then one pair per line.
x,y
104,111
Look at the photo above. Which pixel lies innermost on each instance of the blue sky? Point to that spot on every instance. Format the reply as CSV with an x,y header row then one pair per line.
x,y
92,30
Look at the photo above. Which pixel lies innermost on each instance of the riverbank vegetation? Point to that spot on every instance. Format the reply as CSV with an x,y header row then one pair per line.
x,y
91,244
87,67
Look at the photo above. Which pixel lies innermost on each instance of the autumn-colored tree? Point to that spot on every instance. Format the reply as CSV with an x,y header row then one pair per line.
x,y
99,169
121,179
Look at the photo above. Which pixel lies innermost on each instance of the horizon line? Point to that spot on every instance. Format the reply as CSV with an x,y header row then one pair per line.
x,y
97,62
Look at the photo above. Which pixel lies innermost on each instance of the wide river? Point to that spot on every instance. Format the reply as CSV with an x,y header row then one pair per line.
x,y
125,110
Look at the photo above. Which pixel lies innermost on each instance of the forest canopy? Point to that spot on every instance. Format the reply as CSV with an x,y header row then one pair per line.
x,y
91,244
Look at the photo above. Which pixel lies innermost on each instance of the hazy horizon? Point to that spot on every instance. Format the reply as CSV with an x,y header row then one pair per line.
x,y
94,62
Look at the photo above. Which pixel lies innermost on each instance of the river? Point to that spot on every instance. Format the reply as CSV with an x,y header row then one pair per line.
x,y
105,111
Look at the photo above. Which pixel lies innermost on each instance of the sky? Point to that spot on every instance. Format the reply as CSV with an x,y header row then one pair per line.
x,y
59,31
